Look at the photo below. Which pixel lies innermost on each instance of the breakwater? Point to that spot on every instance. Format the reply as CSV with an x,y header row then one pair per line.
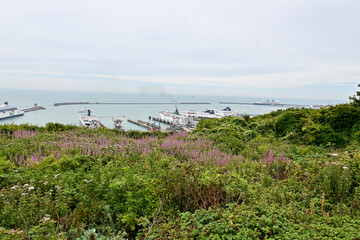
x,y
130,103
284,105
34,108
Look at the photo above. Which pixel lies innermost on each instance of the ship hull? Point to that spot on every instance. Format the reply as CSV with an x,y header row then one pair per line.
x,y
7,116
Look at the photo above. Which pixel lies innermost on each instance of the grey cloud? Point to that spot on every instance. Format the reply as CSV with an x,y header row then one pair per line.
x,y
201,38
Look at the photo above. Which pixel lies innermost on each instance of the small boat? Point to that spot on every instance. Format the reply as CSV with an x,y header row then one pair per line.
x,y
88,120
7,111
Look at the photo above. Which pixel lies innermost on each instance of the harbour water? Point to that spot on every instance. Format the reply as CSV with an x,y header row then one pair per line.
x,y
68,114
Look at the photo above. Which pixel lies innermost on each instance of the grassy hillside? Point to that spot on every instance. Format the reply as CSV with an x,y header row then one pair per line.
x,y
291,174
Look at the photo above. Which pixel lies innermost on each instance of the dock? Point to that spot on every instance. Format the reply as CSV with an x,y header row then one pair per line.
x,y
148,126
153,127
139,123
34,108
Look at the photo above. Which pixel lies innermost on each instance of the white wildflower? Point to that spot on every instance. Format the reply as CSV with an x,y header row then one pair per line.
x,y
57,187
346,168
334,154
31,188
26,185
45,183
14,187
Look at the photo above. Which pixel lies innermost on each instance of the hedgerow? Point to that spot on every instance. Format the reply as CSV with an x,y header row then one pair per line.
x,y
291,174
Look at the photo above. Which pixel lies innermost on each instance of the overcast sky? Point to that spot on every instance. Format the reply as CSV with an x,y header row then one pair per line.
x,y
260,48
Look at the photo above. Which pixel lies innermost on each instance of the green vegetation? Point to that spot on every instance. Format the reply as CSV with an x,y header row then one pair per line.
x,y
356,98
333,126
292,174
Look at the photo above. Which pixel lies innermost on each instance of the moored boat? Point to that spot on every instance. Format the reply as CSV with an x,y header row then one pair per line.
x,y
88,120
209,113
269,103
174,118
191,117
7,111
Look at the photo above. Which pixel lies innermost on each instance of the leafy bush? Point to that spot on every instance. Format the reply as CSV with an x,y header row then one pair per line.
x,y
273,176
290,121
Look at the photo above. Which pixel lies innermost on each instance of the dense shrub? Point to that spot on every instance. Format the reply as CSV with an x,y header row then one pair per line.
x,y
290,121
276,176
331,126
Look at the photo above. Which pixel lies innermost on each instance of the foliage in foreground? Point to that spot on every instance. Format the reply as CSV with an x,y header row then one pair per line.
x,y
64,182
332,126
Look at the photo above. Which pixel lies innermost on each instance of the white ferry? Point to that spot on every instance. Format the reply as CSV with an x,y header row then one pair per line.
x,y
186,117
7,111
269,103
209,113
174,118
88,120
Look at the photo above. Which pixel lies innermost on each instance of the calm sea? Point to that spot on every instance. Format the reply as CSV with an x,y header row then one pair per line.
x,y
69,114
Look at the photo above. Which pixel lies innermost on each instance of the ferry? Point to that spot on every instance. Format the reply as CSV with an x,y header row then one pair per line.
x,y
186,117
174,118
7,111
88,120
209,113
269,103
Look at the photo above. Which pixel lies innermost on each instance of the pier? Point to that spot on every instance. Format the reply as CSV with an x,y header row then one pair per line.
x,y
147,125
141,124
34,108
153,127
131,103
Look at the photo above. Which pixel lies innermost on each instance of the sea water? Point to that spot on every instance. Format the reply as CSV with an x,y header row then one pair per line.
x,y
69,114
